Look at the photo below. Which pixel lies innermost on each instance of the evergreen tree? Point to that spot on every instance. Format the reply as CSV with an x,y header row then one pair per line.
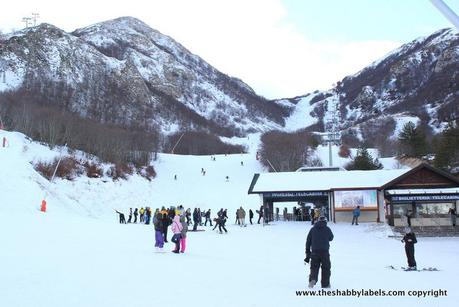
x,y
364,161
447,149
413,141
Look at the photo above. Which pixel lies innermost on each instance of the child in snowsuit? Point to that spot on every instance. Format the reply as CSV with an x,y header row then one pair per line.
x,y
183,233
177,230
410,239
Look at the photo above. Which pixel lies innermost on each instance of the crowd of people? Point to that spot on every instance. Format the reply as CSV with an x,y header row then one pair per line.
x,y
180,220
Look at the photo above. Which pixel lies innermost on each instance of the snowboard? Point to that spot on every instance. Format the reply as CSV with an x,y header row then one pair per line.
x,y
405,269
196,230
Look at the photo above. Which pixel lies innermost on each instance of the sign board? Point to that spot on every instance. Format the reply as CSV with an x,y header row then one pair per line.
x,y
294,194
353,198
409,198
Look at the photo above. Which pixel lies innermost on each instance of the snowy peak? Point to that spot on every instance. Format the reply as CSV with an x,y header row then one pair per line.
x,y
123,72
418,82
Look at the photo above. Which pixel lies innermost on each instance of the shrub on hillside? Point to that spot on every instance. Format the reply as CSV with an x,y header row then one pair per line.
x,y
69,168
148,172
120,171
93,170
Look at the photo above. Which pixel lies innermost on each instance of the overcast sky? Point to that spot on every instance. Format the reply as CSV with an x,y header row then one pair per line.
x,y
281,48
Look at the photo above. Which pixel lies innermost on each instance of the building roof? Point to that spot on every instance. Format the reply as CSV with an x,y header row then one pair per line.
x,y
322,181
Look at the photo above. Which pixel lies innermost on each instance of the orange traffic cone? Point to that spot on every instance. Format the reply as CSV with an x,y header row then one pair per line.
x,y
43,206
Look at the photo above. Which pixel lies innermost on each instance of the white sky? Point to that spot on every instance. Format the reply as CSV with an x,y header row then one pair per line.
x,y
253,40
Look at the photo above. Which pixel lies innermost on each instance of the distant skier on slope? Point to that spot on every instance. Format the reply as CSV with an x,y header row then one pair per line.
x,y
317,251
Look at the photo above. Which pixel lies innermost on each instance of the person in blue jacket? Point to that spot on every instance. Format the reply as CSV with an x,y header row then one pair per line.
x,y
355,215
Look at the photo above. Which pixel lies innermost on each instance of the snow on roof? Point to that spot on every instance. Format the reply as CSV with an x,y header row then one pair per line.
x,y
324,181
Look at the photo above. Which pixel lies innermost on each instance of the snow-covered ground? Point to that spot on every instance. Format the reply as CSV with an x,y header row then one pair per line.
x,y
49,260
76,254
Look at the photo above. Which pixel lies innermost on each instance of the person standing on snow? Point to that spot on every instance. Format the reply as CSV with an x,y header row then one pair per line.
x,y
452,213
317,251
142,215
241,217
260,214
208,213
159,231
410,239
195,219
130,216
177,231
183,234
355,215
136,213
250,216
121,215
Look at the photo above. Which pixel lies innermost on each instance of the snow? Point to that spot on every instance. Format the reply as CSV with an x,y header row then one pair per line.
x,y
77,254
301,116
50,260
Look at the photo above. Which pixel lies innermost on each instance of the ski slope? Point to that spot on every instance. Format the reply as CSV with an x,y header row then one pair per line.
x,y
76,254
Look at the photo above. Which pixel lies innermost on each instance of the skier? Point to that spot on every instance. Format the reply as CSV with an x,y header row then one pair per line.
x,y
159,231
317,251
130,216
250,216
410,239
136,213
220,222
121,215
227,178
177,230
183,234
355,215
453,215
208,218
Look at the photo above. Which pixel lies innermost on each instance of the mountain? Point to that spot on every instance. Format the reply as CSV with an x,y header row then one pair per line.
x,y
125,73
417,82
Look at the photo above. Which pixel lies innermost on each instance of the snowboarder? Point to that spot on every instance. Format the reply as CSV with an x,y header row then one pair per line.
x,y
250,216
183,234
121,215
208,218
136,213
410,239
355,215
453,215
177,230
130,216
317,251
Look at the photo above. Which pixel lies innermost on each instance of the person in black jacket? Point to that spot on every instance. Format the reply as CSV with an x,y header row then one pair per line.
x,y
208,219
121,215
136,213
410,239
130,215
260,214
317,251
196,219
250,216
